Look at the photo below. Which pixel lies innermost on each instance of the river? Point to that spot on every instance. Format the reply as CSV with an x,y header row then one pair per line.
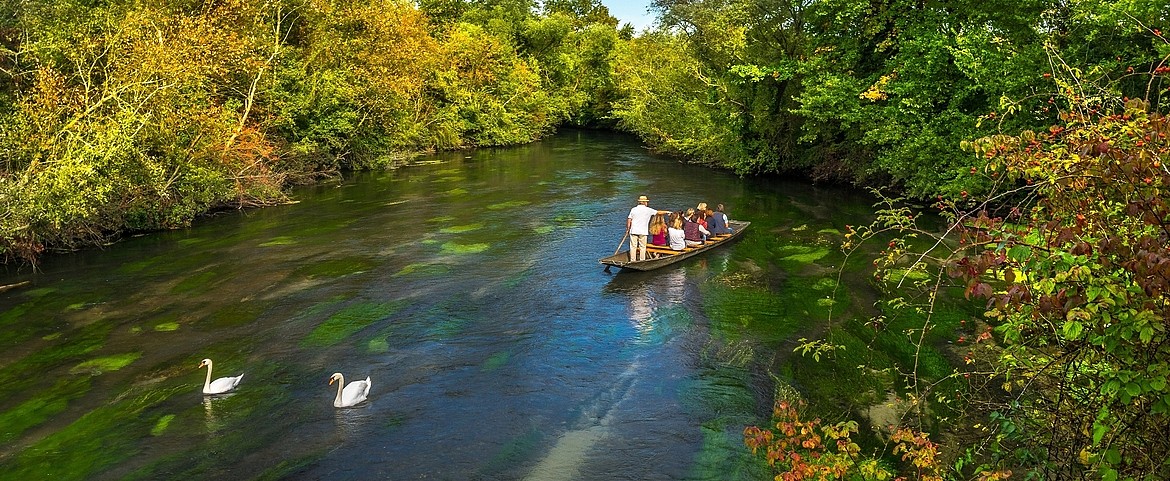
x,y
466,286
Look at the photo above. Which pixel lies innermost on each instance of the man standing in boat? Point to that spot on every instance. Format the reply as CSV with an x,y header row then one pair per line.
x,y
638,225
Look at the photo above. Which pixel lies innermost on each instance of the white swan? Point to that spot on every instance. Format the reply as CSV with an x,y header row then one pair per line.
x,y
221,385
354,393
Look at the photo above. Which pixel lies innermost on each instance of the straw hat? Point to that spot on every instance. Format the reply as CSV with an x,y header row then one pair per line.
x,y
643,198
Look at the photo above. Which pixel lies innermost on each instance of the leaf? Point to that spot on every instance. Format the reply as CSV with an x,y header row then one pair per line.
x,y
1073,330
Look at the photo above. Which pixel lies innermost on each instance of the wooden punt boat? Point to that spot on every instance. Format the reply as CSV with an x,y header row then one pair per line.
x,y
658,256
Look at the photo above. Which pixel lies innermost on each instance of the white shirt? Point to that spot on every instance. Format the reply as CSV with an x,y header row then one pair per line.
x,y
676,238
640,217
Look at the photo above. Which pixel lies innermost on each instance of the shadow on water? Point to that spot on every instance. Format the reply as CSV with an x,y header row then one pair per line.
x,y
467,287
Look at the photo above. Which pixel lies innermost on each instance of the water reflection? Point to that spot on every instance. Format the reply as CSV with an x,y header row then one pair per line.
x,y
647,297
349,422
214,411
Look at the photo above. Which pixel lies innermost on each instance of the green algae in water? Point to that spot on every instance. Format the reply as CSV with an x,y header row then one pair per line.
x,y
95,367
897,275
760,312
162,424
459,229
803,254
453,248
350,320
497,361
441,219
279,241
335,267
447,327
198,282
665,323
39,292
430,270
825,284
235,315
722,455
289,467
97,440
544,229
456,191
508,205
514,452
166,326
378,346
22,374
723,389
44,405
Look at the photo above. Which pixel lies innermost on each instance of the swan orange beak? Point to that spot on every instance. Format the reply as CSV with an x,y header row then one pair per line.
x,y
331,381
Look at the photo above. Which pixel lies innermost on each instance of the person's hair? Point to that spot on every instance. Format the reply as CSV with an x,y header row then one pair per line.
x,y
690,214
702,206
676,221
719,207
657,224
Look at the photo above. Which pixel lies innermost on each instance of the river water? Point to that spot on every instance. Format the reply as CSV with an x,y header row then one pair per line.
x,y
466,286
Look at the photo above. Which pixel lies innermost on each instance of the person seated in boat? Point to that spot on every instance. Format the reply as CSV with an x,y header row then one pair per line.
x,y
701,219
717,222
638,225
695,234
674,232
658,230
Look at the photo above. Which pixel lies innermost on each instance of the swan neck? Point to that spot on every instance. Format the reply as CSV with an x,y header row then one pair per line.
x,y
207,383
340,383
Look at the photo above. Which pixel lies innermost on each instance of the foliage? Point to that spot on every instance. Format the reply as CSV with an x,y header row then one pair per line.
x,y
1077,282
799,449
124,116
1068,366
878,94
664,98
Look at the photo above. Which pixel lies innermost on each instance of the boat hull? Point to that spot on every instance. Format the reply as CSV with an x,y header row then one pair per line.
x,y
622,259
